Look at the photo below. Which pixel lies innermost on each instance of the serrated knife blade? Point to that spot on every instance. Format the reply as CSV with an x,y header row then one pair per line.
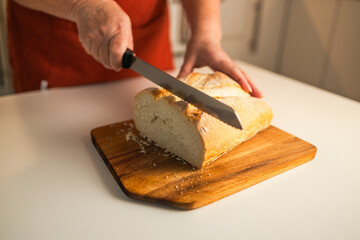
x,y
190,94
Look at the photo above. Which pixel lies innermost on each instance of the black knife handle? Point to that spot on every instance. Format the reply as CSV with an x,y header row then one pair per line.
x,y
127,58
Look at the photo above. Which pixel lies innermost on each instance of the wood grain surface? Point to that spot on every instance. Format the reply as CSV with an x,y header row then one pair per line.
x,y
147,172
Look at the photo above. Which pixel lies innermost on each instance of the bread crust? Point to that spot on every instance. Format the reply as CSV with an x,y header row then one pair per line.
x,y
217,137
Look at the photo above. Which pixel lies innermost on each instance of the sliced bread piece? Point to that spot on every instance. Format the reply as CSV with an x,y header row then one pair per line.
x,y
193,135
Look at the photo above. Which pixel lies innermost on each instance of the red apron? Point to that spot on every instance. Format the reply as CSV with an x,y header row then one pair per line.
x,y
43,47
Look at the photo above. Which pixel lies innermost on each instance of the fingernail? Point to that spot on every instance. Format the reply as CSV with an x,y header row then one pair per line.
x,y
250,89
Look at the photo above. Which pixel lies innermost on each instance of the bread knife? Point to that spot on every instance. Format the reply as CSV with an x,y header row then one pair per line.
x,y
186,92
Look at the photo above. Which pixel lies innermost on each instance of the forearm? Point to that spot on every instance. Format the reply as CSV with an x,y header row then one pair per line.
x,y
204,18
59,8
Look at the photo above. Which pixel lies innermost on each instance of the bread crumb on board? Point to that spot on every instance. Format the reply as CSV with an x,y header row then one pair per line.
x,y
131,136
144,141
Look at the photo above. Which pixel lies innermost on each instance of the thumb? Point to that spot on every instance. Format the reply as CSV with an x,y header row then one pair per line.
x,y
186,68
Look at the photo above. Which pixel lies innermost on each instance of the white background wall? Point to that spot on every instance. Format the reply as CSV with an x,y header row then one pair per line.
x,y
322,45
314,41
251,30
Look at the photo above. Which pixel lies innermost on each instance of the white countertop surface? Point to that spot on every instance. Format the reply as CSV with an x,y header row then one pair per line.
x,y
54,184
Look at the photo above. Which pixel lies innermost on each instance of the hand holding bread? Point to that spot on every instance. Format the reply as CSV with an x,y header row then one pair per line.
x,y
201,53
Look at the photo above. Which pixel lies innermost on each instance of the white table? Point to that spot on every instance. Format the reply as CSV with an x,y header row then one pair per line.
x,y
54,184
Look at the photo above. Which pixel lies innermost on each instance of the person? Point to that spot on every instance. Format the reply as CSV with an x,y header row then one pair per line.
x,y
73,42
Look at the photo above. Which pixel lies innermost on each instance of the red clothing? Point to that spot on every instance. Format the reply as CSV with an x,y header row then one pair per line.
x,y
43,47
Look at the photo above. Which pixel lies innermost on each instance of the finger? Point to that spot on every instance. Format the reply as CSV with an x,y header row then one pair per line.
x,y
110,56
91,51
233,71
86,43
131,41
187,67
104,54
117,47
239,76
184,71
93,45
255,90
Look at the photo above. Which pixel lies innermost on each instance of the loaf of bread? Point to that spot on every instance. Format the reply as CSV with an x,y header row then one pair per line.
x,y
191,134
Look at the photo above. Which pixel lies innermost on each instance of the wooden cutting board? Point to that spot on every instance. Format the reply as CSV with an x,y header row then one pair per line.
x,y
147,172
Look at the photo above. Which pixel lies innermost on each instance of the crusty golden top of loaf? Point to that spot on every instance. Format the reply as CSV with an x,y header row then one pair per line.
x,y
216,85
